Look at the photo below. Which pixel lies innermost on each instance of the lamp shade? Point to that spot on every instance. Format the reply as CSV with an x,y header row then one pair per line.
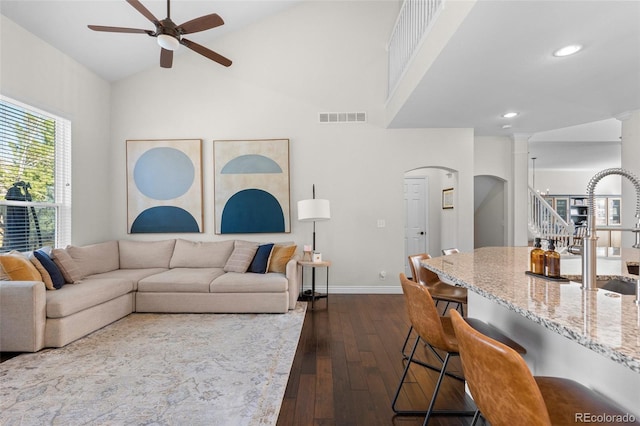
x,y
313,210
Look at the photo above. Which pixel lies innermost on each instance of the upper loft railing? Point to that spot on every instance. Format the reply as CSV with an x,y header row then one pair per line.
x,y
545,223
412,26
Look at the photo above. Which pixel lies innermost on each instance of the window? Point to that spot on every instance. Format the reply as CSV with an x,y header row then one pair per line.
x,y
35,178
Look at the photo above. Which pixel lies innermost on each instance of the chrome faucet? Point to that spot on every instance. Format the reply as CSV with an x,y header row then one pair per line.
x,y
590,240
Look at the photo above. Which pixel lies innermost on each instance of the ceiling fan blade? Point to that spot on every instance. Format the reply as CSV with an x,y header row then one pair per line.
x,y
200,24
206,52
119,29
143,10
166,58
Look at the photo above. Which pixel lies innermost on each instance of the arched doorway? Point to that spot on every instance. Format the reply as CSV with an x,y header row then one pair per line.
x,y
490,211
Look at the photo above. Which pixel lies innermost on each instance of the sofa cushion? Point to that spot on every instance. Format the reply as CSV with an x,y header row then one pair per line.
x,y
68,267
134,275
18,267
280,256
96,258
260,262
241,257
233,282
180,280
145,254
199,254
77,297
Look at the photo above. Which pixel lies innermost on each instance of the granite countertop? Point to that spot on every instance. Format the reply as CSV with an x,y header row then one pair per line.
x,y
605,322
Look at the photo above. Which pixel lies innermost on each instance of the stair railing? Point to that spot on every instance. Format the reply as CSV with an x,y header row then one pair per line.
x,y
545,223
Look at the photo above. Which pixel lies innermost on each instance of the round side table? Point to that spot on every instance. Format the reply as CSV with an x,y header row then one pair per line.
x,y
312,295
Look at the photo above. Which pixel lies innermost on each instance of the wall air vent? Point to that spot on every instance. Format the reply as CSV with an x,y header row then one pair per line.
x,y
342,117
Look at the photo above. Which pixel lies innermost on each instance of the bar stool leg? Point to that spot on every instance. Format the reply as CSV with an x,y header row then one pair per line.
x,y
476,416
404,375
406,340
437,388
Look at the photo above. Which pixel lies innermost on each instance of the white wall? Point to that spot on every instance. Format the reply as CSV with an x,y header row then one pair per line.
x,y
493,156
315,57
574,182
37,74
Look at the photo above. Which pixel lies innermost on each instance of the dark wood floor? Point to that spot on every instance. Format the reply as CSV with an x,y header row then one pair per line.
x,y
348,365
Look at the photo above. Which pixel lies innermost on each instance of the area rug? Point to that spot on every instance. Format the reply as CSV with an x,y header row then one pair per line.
x,y
160,369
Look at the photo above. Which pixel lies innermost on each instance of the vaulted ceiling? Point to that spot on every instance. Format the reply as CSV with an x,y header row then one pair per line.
x,y
500,58
113,56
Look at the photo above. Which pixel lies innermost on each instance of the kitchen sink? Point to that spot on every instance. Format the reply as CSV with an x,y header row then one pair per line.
x,y
618,286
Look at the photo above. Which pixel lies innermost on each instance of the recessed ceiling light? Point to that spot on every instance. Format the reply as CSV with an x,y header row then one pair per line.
x,y
567,50
509,114
506,126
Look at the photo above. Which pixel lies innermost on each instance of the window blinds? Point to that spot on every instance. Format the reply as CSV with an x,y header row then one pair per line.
x,y
35,178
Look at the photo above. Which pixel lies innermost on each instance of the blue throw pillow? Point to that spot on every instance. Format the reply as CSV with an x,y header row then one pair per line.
x,y
51,267
260,261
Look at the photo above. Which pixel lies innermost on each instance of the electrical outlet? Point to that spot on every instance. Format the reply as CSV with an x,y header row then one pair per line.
x,y
382,275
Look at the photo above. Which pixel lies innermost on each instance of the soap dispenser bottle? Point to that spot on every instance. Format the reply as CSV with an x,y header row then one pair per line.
x,y
536,261
552,261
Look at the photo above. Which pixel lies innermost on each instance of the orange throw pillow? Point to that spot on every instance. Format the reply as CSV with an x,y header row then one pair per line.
x,y
279,258
18,267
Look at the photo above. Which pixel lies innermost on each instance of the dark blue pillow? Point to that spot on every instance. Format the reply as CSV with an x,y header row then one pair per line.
x,y
260,261
51,267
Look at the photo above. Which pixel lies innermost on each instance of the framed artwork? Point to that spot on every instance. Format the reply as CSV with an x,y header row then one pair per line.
x,y
447,198
164,186
251,186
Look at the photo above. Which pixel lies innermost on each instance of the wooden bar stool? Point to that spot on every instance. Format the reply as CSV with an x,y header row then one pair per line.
x,y
504,389
437,332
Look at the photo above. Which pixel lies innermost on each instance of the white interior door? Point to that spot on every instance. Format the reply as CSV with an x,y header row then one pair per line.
x,y
416,236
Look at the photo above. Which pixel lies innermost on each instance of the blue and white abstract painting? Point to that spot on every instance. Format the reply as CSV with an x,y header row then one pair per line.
x,y
164,186
251,184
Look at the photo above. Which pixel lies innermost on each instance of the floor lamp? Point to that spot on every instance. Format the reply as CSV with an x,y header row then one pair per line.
x,y
314,210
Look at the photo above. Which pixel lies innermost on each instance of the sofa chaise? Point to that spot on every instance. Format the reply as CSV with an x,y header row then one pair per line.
x,y
107,281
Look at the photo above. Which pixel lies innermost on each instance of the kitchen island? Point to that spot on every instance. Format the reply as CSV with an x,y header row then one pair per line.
x,y
592,337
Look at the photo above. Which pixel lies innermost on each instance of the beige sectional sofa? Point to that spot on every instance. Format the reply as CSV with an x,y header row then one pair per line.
x,y
108,281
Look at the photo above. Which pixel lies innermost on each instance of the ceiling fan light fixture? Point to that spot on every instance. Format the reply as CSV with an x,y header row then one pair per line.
x,y
567,50
168,42
169,35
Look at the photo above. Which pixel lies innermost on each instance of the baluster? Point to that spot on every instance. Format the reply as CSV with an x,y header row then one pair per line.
x,y
414,19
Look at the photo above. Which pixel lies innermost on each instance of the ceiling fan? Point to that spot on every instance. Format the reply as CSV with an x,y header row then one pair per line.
x,y
169,34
